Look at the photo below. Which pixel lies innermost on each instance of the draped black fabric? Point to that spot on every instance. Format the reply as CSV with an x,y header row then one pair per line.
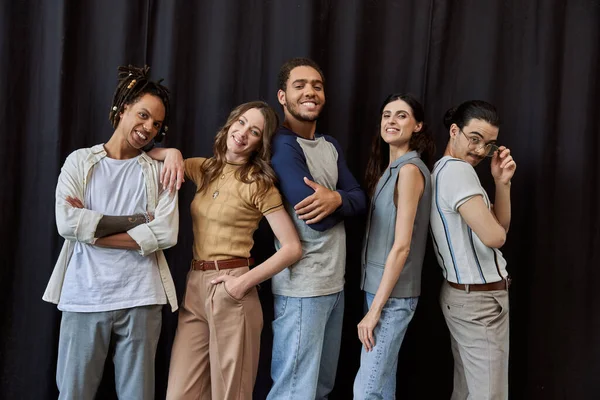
x,y
537,61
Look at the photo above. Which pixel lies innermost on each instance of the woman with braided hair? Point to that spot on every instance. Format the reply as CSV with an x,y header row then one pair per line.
x,y
111,279
216,349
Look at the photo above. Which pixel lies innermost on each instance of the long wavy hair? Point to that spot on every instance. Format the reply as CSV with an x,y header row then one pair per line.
x,y
421,141
257,168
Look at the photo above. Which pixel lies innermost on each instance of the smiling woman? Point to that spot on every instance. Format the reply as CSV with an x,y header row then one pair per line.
x,y
235,189
399,185
244,136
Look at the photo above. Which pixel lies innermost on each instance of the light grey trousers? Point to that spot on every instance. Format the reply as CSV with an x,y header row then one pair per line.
x,y
479,334
85,339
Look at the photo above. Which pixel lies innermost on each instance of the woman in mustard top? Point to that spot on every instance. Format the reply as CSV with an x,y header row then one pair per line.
x,y
216,349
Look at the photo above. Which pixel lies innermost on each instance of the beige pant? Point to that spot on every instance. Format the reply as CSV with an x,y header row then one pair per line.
x,y
479,325
216,348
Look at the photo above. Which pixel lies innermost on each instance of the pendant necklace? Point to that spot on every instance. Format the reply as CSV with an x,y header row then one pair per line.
x,y
222,180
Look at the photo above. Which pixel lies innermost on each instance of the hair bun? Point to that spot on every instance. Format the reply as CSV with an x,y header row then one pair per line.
x,y
449,117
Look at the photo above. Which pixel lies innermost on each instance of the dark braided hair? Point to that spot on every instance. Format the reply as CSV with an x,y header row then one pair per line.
x,y
133,84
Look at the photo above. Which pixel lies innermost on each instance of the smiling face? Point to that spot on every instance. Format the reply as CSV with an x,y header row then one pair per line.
x,y
398,123
244,136
304,96
141,120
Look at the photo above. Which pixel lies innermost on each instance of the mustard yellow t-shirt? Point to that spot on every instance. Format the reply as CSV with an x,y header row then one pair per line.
x,y
223,225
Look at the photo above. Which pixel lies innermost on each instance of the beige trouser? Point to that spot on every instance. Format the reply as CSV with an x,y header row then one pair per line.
x,y
216,348
479,325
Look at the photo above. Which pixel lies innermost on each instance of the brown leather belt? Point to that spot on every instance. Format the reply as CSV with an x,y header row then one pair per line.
x,y
222,264
504,284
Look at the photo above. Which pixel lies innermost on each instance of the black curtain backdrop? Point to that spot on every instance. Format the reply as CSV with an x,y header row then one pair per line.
x,y
536,60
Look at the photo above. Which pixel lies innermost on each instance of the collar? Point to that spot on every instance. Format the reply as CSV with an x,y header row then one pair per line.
x,y
98,152
287,131
405,157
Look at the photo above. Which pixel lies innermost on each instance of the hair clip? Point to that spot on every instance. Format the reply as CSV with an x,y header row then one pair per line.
x,y
131,84
115,108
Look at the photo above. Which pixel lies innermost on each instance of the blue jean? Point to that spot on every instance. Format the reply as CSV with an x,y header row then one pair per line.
x,y
376,377
307,333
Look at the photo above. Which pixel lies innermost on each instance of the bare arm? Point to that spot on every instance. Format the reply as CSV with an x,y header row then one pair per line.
x,y
159,153
502,205
411,185
289,253
503,168
481,220
173,172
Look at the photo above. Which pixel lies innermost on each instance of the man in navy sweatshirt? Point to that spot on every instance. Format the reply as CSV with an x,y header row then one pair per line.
x,y
319,192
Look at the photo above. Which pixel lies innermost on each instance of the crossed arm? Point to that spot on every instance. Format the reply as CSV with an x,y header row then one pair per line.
x,y
76,223
111,230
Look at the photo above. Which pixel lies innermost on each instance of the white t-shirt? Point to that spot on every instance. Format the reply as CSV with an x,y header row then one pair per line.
x,y
461,254
102,279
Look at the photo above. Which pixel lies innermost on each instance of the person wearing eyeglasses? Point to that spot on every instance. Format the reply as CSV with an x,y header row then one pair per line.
x,y
467,231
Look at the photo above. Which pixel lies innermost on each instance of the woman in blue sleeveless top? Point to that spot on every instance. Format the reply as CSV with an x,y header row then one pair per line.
x,y
399,186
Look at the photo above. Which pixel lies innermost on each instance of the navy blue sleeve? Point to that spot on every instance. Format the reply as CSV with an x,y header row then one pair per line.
x,y
289,164
354,201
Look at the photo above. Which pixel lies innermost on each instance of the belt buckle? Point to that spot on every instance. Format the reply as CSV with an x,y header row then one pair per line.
x,y
199,265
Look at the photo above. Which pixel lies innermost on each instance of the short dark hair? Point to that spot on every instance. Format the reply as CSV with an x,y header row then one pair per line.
x,y
133,84
288,66
472,109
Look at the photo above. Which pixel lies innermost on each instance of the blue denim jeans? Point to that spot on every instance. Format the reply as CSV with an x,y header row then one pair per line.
x,y
307,332
376,377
